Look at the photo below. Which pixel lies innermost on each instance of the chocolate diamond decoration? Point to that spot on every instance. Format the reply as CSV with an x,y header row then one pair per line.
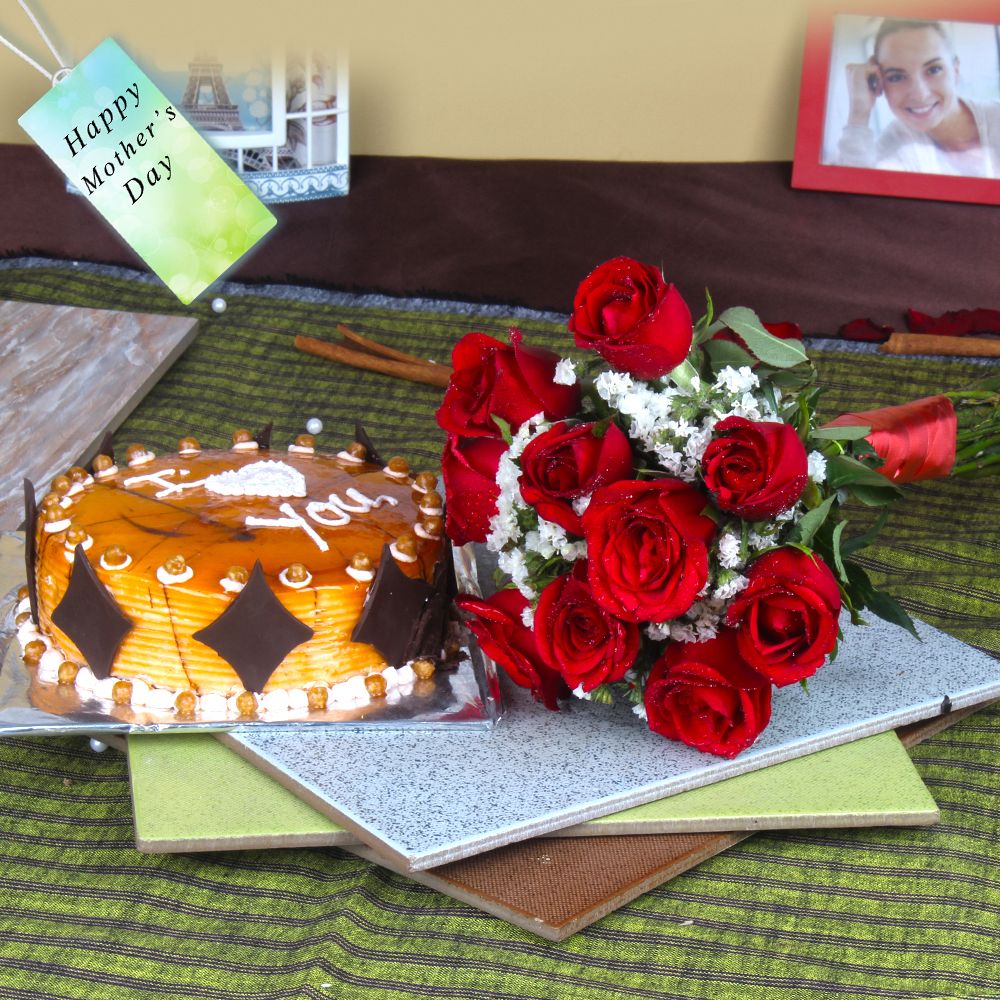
x,y
263,436
428,635
90,616
107,446
30,547
393,611
361,436
255,633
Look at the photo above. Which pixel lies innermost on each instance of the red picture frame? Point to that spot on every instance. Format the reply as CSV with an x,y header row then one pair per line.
x,y
808,170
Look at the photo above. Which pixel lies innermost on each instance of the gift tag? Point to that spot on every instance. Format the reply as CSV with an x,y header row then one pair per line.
x,y
146,169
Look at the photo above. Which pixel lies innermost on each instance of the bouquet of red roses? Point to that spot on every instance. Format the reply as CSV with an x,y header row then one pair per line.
x,y
667,515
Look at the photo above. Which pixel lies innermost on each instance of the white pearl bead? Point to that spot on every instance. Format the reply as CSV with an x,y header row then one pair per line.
x,y
218,305
97,746
314,425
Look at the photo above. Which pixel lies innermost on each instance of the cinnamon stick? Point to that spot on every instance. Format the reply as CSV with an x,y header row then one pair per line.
x,y
425,372
376,348
931,343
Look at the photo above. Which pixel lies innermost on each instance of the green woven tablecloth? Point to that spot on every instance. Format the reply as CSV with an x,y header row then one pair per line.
x,y
873,913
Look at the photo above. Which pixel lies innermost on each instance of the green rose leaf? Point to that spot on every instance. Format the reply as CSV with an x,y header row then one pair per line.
x,y
770,349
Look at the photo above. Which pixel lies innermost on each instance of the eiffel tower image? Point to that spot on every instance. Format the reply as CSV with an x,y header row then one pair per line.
x,y
206,101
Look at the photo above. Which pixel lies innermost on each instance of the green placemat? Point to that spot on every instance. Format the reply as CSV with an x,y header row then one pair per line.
x,y
190,793
871,913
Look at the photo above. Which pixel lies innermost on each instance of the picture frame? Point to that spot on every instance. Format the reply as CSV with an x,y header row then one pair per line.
x,y
301,151
261,83
912,165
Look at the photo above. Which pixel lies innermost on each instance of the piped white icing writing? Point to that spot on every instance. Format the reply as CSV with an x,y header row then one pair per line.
x,y
259,479
293,519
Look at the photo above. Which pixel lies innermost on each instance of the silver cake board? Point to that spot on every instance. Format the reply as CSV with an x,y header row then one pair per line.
x,y
423,799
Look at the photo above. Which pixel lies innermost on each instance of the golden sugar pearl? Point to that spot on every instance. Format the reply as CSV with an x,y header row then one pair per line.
x,y
186,703
134,451
375,685
188,444
24,616
317,699
238,574
23,593
115,555
305,441
433,524
101,463
61,485
242,436
431,500
426,481
68,671
246,704
424,668
121,693
361,561
77,474
53,514
406,545
399,465
75,535
33,651
175,565
357,450
296,573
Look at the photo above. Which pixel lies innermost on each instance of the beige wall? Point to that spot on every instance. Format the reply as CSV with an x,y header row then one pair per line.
x,y
662,80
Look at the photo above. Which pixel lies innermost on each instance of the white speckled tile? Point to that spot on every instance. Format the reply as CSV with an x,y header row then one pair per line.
x,y
422,799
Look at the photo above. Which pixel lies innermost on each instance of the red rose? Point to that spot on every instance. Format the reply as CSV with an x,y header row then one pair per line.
x,y
702,694
568,462
510,381
647,548
786,618
585,643
755,469
638,323
469,470
503,636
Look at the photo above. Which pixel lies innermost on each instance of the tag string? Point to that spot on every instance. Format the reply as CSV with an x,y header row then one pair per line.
x,y
51,77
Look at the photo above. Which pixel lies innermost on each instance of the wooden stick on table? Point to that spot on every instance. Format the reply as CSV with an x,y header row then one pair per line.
x,y
930,343
414,370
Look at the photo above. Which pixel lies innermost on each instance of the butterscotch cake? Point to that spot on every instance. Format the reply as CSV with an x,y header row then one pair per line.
x,y
232,581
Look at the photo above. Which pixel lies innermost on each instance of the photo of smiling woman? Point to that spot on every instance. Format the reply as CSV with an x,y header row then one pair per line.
x,y
914,104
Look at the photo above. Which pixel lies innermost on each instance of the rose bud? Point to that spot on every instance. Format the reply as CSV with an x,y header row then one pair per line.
x,y
786,617
469,469
647,548
586,644
702,694
755,469
638,323
511,381
568,462
503,636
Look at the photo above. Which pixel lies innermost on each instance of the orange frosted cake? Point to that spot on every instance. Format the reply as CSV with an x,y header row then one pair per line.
x,y
227,581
